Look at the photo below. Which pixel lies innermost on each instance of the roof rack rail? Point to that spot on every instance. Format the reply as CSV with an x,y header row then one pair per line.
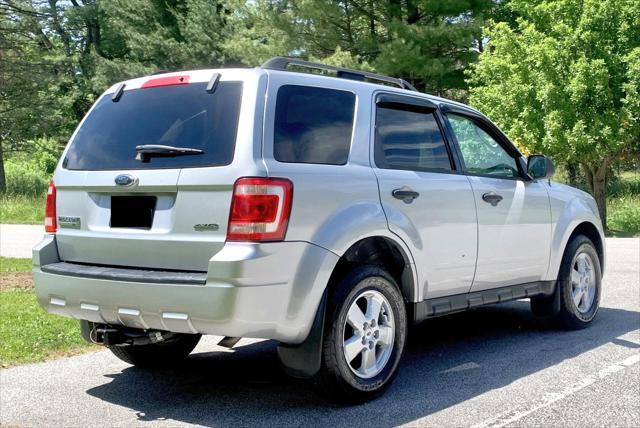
x,y
281,63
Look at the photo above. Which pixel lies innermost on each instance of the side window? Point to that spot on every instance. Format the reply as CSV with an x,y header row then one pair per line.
x,y
480,152
409,138
313,125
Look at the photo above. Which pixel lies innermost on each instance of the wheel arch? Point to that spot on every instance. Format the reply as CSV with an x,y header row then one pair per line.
x,y
385,252
589,230
584,227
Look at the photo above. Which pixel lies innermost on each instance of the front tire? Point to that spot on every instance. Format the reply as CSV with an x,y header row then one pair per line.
x,y
365,335
576,300
156,355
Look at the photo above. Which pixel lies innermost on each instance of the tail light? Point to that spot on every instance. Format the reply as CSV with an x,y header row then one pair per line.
x,y
260,209
50,222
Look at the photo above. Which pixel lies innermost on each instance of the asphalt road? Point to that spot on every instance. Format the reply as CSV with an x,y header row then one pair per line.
x,y
494,366
17,240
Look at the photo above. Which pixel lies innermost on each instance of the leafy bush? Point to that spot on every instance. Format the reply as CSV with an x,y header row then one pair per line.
x,y
29,174
20,209
23,178
624,183
624,215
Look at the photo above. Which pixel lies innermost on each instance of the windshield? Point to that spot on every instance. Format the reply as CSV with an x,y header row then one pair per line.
x,y
181,116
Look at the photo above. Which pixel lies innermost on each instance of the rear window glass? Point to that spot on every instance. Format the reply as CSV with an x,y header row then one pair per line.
x,y
410,140
313,125
183,116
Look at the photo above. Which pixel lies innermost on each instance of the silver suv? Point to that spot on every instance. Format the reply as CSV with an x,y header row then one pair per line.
x,y
325,210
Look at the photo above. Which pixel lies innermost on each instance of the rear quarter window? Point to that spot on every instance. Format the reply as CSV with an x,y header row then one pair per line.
x,y
183,116
313,125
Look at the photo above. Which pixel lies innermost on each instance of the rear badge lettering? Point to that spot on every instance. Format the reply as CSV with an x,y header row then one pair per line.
x,y
69,222
209,227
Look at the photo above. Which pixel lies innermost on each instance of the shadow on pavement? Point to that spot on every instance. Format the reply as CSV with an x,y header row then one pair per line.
x,y
488,348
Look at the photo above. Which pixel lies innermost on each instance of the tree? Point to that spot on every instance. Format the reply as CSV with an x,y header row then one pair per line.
x,y
427,42
57,56
565,80
31,102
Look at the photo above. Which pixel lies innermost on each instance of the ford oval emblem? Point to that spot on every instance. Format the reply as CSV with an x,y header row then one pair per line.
x,y
125,180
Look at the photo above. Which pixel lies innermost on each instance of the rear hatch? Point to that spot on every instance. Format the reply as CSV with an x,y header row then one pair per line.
x,y
147,179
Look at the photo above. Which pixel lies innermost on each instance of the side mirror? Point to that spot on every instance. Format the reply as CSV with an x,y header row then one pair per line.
x,y
540,166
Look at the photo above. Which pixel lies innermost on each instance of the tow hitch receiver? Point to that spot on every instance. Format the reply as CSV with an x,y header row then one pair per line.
x,y
107,335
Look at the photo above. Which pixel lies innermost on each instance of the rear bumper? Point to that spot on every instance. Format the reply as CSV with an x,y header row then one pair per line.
x,y
269,290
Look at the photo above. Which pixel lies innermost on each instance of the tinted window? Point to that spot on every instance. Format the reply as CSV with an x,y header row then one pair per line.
x,y
313,125
409,139
481,153
181,116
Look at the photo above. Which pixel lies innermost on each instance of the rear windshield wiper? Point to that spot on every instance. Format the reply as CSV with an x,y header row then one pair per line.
x,y
148,151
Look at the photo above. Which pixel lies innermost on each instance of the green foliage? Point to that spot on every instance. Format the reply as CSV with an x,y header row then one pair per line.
x,y
427,42
623,199
8,264
21,209
28,334
565,81
623,192
29,174
624,215
60,55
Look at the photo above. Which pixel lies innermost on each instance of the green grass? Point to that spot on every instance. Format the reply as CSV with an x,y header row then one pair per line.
x,y
623,204
623,215
27,333
19,209
8,264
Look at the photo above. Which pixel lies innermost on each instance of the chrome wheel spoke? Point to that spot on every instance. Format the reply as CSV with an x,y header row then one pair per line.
x,y
585,299
368,360
577,297
374,304
583,282
356,318
385,337
575,277
352,347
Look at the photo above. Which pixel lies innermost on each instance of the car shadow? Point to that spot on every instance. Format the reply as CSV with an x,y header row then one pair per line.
x,y
448,360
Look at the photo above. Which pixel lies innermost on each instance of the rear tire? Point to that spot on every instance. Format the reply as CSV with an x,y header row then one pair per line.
x,y
576,299
364,338
156,355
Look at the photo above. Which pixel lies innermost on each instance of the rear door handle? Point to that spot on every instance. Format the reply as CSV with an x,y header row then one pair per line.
x,y
492,197
405,194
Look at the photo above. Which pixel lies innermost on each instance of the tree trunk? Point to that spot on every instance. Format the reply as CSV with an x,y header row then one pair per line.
x,y
572,174
413,13
597,180
3,180
372,20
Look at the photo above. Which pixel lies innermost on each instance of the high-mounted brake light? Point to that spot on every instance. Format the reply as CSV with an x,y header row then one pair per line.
x,y
165,81
50,221
260,209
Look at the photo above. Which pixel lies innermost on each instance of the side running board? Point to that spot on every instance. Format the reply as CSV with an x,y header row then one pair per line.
x,y
445,305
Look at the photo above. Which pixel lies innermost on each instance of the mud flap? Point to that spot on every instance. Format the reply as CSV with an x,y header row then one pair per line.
x,y
303,360
547,306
